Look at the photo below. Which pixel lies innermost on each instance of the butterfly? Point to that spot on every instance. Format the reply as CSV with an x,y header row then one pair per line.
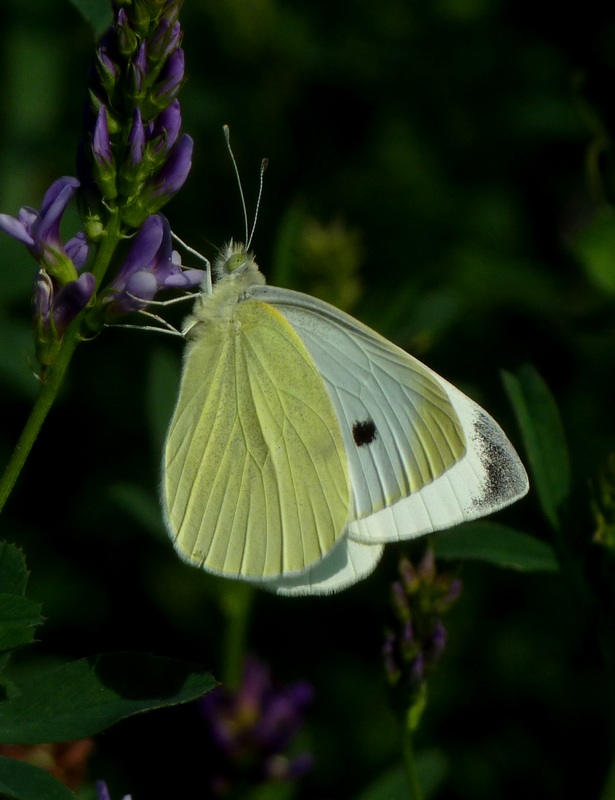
x,y
302,441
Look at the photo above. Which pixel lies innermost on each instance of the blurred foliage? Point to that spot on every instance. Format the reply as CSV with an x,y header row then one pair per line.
x,y
452,160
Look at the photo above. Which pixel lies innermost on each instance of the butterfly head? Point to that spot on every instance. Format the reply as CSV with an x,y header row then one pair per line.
x,y
234,259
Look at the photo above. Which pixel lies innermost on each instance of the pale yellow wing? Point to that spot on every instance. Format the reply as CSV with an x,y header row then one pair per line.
x,y
255,476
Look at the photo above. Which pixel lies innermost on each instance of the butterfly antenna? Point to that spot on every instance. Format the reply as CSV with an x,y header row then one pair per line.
x,y
227,136
264,164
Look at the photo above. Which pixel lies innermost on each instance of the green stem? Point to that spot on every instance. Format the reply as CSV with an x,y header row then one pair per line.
x,y
414,787
237,605
48,393
54,375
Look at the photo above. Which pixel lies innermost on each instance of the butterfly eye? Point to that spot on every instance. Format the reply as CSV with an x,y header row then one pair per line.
x,y
235,261
364,432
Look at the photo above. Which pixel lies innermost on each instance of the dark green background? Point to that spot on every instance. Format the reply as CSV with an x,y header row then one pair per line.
x,y
450,139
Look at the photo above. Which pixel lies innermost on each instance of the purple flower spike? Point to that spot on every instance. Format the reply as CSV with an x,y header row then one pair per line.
x,y
416,642
252,726
148,268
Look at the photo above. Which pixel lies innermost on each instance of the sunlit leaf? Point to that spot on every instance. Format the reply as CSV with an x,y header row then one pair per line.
x,y
543,437
498,544
83,697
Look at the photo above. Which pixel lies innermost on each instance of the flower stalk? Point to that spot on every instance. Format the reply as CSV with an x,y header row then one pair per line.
x,y
131,161
413,645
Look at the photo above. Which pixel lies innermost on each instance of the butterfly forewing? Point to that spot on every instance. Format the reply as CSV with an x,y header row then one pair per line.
x,y
256,483
400,429
422,456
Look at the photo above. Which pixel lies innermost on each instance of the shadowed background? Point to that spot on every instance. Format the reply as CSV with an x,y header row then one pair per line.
x,y
428,171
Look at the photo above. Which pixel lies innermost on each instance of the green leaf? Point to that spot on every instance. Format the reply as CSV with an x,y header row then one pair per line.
x,y
81,698
497,544
431,768
392,785
22,781
18,618
594,246
13,572
97,13
543,436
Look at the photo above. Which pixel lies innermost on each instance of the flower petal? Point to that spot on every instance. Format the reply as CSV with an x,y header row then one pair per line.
x,y
16,229
143,249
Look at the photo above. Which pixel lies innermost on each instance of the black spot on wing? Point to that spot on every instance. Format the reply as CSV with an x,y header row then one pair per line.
x,y
364,432
505,478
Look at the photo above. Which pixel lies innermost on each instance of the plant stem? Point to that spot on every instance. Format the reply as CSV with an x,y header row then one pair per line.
x,y
414,787
47,395
237,604
54,375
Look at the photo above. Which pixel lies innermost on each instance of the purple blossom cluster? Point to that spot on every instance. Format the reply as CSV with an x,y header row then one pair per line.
x,y
132,159
416,641
61,288
250,729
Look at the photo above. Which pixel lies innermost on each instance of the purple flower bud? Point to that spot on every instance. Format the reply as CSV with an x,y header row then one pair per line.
x,y
127,41
137,72
159,189
434,647
103,164
166,38
71,299
108,71
77,249
173,174
101,144
55,308
170,79
164,130
43,297
391,665
136,139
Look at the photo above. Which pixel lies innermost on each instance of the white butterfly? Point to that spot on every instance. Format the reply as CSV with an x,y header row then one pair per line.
x,y
302,441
